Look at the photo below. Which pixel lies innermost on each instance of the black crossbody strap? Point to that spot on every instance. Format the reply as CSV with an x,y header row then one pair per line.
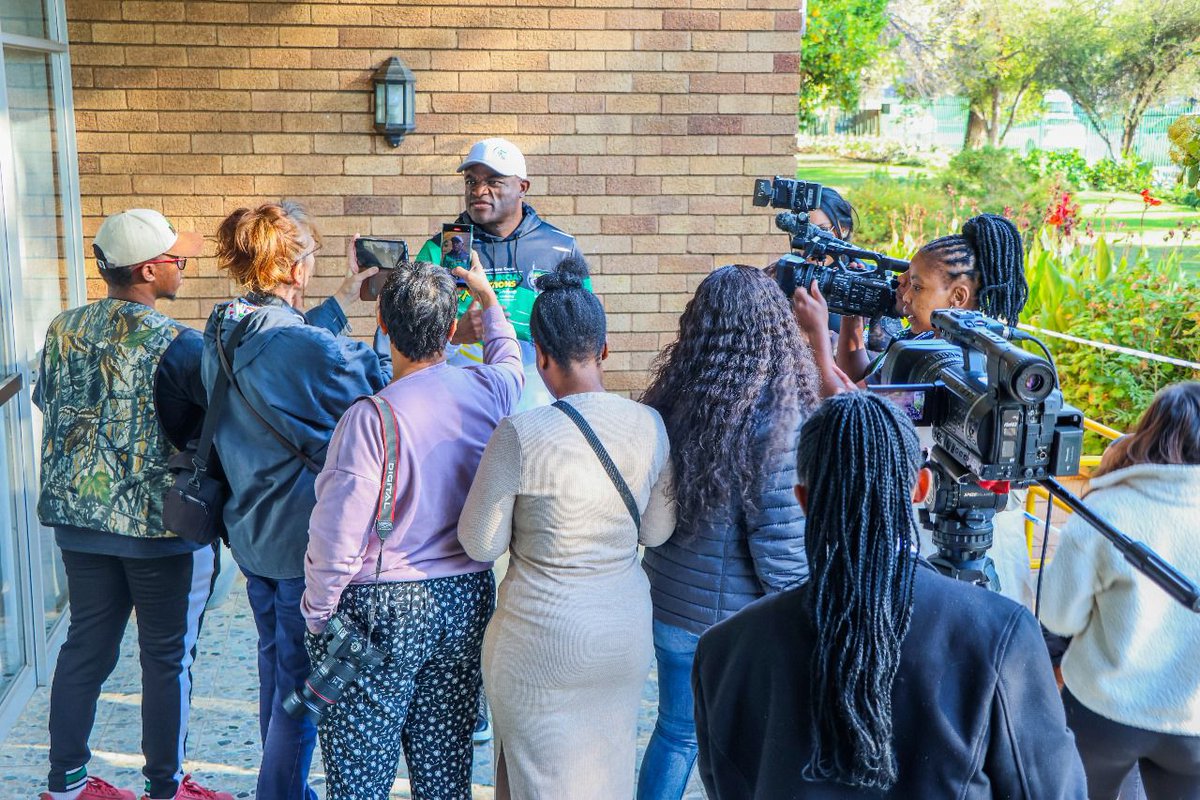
x,y
613,473
216,405
283,440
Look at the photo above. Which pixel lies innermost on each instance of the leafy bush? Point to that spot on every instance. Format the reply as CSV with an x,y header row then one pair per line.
x,y
1126,298
1068,166
872,149
893,209
1072,171
995,180
1126,175
1184,134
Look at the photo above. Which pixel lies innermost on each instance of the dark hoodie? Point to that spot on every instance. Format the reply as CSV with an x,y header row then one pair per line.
x,y
535,247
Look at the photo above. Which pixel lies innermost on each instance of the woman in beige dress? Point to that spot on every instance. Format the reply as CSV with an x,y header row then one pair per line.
x,y
568,650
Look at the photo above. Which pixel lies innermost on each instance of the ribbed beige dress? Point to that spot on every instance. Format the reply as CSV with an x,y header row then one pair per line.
x,y
568,650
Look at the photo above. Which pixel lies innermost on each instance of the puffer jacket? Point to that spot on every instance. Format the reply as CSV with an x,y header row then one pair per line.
x,y
700,577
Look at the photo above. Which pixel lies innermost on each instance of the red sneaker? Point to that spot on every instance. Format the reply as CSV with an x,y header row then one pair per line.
x,y
190,790
96,789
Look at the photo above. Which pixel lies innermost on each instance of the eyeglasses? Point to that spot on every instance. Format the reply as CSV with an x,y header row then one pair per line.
x,y
180,263
307,253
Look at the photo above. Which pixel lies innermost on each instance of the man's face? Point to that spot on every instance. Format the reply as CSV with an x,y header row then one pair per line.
x,y
167,276
491,198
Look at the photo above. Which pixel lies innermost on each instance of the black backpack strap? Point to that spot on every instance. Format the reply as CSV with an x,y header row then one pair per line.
x,y
223,351
613,473
220,395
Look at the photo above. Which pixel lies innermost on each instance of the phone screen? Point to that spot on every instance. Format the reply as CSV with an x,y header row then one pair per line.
x,y
386,254
457,239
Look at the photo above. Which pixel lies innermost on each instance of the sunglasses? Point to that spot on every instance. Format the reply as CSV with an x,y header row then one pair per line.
x,y
180,263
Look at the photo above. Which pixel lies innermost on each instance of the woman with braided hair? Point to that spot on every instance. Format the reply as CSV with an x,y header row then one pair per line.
x,y
879,678
982,268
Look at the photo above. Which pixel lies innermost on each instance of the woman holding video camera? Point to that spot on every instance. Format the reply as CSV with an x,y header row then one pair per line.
x,y
732,391
879,678
1132,686
982,268
293,374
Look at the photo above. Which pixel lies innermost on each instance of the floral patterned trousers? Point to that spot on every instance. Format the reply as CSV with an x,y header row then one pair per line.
x,y
424,697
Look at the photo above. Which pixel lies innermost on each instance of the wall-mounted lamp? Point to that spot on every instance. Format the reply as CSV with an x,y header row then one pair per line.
x,y
395,109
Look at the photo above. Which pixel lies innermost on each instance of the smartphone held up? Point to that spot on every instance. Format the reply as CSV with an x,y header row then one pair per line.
x,y
386,254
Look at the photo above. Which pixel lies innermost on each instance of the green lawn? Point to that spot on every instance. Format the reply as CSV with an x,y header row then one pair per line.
x,y
1120,216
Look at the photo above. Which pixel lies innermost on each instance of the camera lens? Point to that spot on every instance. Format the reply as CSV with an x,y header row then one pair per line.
x,y
1033,381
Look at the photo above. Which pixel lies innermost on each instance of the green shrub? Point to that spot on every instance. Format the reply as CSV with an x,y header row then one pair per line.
x,y
874,149
995,180
1127,299
891,209
1127,175
1069,167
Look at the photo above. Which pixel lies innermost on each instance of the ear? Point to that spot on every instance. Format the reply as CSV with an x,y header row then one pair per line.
x,y
541,359
960,295
923,485
145,272
604,352
801,496
383,327
449,334
524,187
296,272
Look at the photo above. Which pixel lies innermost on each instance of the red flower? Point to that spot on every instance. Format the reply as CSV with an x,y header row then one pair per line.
x,y
1148,200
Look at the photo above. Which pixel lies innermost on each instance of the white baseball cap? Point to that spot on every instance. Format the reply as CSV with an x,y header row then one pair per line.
x,y
139,235
500,155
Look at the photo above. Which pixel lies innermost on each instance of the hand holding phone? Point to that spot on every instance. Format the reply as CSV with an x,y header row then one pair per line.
x,y
382,254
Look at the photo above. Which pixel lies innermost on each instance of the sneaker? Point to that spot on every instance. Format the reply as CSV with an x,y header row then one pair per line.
x,y
190,790
483,728
96,789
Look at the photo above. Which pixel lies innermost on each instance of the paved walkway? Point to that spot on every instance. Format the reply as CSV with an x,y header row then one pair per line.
x,y
223,744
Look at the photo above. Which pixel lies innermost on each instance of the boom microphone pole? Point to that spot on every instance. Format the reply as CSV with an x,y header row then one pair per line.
x,y
1143,559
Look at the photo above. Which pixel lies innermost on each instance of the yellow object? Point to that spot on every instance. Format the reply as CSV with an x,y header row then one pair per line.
x,y
1036,493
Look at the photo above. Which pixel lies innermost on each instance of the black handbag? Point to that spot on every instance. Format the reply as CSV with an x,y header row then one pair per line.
x,y
193,506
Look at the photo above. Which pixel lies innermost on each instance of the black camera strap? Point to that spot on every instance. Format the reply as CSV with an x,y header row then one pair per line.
x,y
614,474
216,404
385,512
223,351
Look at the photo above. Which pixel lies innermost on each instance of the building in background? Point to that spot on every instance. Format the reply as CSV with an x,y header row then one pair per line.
x,y
643,122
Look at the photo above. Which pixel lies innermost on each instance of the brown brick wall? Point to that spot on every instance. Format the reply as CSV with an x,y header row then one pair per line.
x,y
642,121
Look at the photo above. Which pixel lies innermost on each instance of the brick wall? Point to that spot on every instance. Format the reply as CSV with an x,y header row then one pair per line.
x,y
642,121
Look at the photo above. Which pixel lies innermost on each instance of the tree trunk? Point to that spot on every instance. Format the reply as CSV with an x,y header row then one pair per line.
x,y
976,131
994,125
1128,134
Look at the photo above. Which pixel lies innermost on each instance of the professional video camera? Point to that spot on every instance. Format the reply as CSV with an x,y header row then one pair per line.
x,y
998,420
836,266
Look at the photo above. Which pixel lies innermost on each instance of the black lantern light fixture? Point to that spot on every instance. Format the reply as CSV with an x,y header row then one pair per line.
x,y
395,109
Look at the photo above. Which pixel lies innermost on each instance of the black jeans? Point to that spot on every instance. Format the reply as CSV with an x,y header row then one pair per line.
x,y
1169,763
169,594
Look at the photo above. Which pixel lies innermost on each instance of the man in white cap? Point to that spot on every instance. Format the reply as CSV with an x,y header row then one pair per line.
x,y
120,391
514,244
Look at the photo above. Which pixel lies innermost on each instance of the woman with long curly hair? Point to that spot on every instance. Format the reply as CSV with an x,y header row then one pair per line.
x,y
1132,688
732,390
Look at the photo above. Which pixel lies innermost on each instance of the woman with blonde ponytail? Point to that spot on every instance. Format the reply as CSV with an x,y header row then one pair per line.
x,y
293,375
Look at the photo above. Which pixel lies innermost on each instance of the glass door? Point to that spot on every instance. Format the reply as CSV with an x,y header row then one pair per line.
x,y
41,274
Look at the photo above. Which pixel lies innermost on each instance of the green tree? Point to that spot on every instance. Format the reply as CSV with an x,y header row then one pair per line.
x,y
842,39
1119,57
981,50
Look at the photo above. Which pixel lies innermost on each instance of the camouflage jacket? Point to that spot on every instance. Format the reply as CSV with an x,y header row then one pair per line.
x,y
104,452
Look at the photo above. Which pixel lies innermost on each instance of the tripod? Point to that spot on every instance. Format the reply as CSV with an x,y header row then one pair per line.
x,y
960,517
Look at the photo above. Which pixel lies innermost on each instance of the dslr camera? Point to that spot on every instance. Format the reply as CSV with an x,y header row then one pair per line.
x,y
817,255
348,654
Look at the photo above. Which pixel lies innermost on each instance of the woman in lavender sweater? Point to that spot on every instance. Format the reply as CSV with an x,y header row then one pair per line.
x,y
432,601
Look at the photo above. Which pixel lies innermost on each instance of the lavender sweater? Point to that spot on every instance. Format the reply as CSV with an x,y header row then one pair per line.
x,y
446,415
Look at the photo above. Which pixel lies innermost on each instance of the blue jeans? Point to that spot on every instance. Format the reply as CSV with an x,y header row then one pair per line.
x,y
283,666
671,754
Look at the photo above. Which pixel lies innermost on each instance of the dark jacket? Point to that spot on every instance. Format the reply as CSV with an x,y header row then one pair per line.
x,y
535,247
700,577
975,709
301,375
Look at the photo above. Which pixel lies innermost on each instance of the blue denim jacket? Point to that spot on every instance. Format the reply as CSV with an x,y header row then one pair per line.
x,y
301,374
